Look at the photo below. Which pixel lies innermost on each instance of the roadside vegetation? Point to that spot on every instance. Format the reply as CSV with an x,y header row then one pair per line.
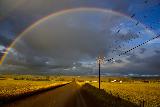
x,y
103,99
143,94
142,91
15,87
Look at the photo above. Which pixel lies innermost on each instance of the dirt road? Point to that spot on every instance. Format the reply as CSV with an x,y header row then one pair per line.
x,y
65,96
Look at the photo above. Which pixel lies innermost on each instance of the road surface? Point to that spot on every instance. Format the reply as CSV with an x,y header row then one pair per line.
x,y
65,96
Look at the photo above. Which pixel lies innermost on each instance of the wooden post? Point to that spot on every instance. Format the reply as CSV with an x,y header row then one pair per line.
x,y
99,75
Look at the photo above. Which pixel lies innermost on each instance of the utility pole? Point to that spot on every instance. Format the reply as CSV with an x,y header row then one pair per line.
x,y
100,60
99,75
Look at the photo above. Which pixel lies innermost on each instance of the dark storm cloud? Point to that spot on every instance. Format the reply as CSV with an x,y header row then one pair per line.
x,y
127,37
72,40
142,50
69,38
157,51
19,13
138,65
22,15
55,46
118,61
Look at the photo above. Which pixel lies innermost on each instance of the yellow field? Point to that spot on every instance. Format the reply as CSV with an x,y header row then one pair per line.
x,y
17,87
135,92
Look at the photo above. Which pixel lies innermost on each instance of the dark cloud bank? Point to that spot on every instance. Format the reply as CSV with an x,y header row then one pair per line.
x,y
70,43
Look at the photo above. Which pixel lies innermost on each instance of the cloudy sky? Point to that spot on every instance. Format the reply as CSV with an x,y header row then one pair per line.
x,y
66,36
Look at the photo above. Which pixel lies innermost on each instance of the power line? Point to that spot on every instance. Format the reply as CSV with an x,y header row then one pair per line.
x,y
135,47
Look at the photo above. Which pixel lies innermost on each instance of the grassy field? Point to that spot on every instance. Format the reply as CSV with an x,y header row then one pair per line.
x,y
103,98
134,92
17,87
13,87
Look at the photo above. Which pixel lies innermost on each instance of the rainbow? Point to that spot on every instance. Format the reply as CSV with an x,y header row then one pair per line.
x,y
57,14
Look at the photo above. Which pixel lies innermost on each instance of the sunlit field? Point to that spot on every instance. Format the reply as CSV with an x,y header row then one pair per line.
x,y
16,87
139,93
13,86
